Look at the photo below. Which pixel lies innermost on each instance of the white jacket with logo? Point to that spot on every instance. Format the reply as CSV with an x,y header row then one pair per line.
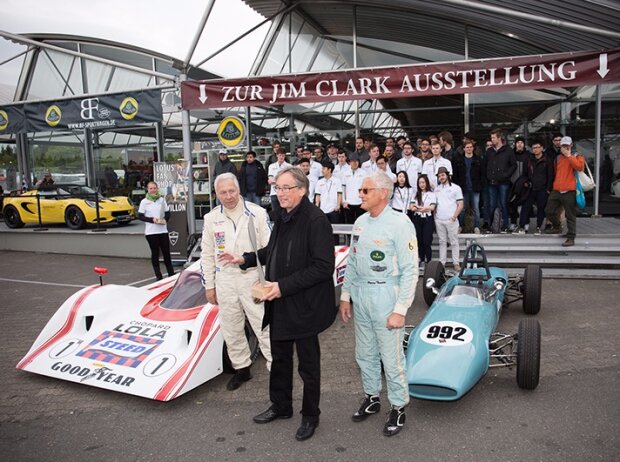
x,y
221,234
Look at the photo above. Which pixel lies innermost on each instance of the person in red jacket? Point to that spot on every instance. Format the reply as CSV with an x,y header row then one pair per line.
x,y
563,194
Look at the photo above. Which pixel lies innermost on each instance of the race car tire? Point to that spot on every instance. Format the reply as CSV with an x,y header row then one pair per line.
x,y
532,285
434,269
74,218
254,349
12,218
528,354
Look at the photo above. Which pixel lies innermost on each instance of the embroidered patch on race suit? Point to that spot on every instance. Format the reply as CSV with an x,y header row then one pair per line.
x,y
340,272
412,245
377,255
378,268
380,242
220,240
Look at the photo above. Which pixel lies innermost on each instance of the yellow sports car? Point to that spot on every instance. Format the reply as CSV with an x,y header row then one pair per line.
x,y
71,204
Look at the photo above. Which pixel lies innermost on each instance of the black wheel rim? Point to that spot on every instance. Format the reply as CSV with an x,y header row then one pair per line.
x,y
11,216
73,216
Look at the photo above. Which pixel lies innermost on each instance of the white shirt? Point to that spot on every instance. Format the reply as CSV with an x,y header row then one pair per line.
x,y
312,186
370,166
155,209
341,170
401,198
431,166
273,171
428,199
352,182
447,197
316,169
388,172
413,167
328,190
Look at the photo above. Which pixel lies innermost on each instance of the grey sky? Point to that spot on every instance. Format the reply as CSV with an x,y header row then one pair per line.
x,y
159,25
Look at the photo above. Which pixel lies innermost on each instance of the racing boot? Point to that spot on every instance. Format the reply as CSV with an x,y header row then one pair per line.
x,y
395,421
241,375
370,405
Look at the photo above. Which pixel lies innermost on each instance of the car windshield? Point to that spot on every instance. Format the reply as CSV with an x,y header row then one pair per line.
x,y
188,292
78,191
465,295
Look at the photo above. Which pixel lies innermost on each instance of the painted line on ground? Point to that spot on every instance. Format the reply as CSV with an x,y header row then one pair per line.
x,y
43,283
135,283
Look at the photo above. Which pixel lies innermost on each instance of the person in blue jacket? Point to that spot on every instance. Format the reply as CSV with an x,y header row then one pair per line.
x,y
379,286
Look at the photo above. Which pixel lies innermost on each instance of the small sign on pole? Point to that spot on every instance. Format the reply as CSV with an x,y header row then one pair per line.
x,y
231,131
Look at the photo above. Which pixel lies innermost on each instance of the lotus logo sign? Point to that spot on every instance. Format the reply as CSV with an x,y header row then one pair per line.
x,y
4,120
231,131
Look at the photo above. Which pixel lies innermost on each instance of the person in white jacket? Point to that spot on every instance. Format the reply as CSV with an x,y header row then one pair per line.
x,y
232,227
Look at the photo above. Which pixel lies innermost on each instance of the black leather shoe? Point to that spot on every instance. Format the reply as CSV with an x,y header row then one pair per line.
x,y
270,415
306,430
241,375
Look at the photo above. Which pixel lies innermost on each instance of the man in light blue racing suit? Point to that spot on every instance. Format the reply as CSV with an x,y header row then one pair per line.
x,y
380,281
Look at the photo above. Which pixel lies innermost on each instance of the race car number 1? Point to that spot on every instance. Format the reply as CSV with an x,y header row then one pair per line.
x,y
446,333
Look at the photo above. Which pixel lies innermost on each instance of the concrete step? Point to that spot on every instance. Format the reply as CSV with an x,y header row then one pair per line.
x,y
591,253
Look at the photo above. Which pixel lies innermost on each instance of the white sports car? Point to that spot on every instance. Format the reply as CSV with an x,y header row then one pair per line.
x,y
158,341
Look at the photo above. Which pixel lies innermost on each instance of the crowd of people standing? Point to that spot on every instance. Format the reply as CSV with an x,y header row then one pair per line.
x,y
487,188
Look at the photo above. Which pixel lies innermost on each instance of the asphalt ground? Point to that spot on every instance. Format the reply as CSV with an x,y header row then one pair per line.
x,y
573,414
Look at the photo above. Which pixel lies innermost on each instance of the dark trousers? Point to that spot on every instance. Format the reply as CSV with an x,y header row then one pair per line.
x,y
555,204
159,242
513,212
485,205
334,219
309,368
498,197
424,227
352,213
534,197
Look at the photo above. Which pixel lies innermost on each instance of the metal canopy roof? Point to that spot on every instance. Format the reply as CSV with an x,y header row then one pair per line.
x,y
495,27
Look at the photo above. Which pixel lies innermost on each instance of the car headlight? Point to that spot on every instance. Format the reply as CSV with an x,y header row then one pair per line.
x,y
91,204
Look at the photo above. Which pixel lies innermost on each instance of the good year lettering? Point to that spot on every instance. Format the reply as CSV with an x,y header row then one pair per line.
x,y
102,374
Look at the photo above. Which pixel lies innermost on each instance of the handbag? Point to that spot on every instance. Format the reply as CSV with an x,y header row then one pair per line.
x,y
585,179
580,199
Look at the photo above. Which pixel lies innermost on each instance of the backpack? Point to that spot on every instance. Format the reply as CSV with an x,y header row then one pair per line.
x,y
519,191
468,221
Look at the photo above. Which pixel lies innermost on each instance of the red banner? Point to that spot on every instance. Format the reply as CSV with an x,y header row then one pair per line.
x,y
480,76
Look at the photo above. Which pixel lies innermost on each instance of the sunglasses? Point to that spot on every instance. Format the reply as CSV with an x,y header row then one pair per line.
x,y
365,190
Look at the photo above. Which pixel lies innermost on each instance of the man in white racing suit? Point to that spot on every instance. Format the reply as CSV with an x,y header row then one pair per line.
x,y
227,228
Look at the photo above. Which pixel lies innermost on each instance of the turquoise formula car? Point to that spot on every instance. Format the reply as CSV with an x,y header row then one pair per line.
x,y
456,342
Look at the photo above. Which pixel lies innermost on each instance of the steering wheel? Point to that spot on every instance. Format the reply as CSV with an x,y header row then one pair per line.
x,y
475,257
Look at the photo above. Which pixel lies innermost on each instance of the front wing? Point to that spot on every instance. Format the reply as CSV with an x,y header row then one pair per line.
x,y
89,342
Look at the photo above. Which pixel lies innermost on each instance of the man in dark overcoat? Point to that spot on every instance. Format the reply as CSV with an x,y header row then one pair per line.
x,y
299,300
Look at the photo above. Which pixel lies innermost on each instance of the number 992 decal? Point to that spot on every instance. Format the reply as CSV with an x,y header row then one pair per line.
x,y
447,333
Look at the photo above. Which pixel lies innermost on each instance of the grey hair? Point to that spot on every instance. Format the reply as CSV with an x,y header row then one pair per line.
x,y
301,180
224,177
381,180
